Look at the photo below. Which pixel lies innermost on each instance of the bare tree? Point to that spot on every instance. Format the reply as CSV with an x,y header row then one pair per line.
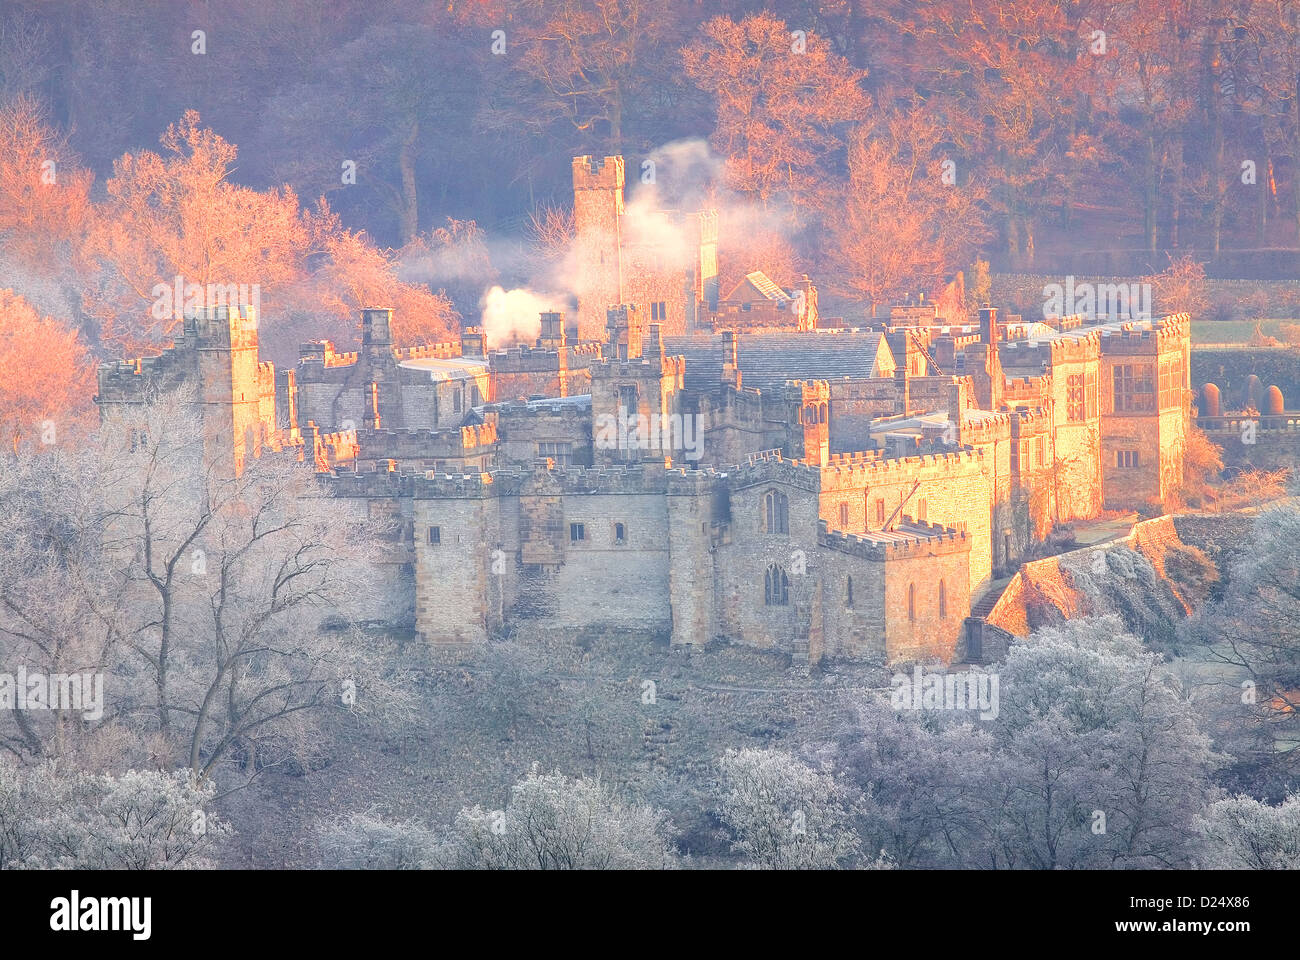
x,y
223,611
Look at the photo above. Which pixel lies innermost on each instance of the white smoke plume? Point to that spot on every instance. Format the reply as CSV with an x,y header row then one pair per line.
x,y
674,180
514,316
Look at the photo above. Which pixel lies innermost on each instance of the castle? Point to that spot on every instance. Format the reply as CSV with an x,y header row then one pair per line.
x,y
822,492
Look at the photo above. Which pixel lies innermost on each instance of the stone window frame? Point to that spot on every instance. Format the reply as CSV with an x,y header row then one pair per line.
x,y
577,531
558,450
1127,378
619,540
774,512
776,586
435,536
911,603
844,515
943,600
848,591
1081,397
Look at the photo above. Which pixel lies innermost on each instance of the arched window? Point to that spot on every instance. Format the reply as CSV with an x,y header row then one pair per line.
x,y
821,413
776,587
943,601
776,512
848,592
911,602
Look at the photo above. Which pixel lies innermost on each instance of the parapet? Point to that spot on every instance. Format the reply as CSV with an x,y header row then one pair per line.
x,y
1022,389
912,538
331,449
322,352
592,174
855,474
1063,348
419,444
444,350
771,467
1139,337
534,359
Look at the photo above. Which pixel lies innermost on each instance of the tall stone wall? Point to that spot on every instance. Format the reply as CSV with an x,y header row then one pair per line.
x,y
952,489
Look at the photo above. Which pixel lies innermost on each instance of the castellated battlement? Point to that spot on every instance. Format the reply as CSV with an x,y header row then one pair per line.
x,y
443,350
532,359
611,367
340,438
806,390
333,359
331,449
1085,345
986,427
133,381
857,456
1022,389
212,328
383,485
1146,338
864,473
912,538
1175,323
419,444
771,467
590,173
323,353
689,482
1027,421
635,479
219,326
708,225
1071,321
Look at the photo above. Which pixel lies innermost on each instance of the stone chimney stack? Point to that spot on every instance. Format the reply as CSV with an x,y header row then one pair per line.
x,y
944,352
471,342
989,332
731,358
377,361
376,327
552,333
623,332
993,383
655,343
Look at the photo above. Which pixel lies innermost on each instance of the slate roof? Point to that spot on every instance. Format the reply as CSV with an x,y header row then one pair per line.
x,y
767,360
765,285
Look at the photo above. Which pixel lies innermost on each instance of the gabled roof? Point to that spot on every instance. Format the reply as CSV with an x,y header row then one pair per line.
x,y
763,285
767,360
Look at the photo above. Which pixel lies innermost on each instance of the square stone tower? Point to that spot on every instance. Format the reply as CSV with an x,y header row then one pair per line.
x,y
598,222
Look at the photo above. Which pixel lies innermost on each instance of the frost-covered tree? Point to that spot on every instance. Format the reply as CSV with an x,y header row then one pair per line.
x,y
217,609
142,820
1255,633
924,784
1103,764
1093,760
363,841
555,823
784,815
1242,833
